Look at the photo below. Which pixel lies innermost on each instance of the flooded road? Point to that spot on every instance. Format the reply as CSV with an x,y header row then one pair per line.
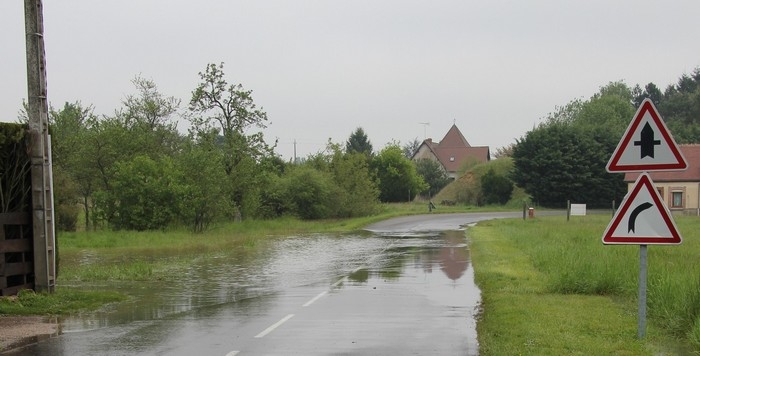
x,y
402,287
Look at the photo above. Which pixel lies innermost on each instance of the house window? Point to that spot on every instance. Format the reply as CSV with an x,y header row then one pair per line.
x,y
451,158
676,199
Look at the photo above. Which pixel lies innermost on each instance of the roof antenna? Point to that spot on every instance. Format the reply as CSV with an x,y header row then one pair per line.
x,y
426,124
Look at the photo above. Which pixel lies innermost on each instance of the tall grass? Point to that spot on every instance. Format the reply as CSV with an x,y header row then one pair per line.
x,y
571,260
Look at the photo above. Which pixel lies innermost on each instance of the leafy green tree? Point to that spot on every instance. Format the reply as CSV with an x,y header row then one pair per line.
x,y
358,142
145,194
680,108
65,125
504,151
309,193
151,113
227,106
411,147
565,158
357,192
228,111
109,143
433,174
496,188
271,199
71,179
397,176
207,196
650,91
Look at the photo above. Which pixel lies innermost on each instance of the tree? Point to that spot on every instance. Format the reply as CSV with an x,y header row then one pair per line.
x,y
357,192
231,110
207,196
228,111
565,158
650,91
433,174
680,108
678,105
229,107
309,193
496,188
71,178
150,112
358,142
504,151
397,176
145,194
411,147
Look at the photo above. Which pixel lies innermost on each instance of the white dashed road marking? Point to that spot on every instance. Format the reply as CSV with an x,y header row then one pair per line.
x,y
273,327
308,303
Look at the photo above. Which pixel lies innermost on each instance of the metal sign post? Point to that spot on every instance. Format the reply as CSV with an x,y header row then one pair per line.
x,y
643,218
642,291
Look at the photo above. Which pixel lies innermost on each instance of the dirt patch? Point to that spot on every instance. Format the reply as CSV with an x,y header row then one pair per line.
x,y
19,331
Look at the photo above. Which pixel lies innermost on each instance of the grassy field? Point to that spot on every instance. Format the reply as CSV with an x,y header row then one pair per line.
x,y
550,287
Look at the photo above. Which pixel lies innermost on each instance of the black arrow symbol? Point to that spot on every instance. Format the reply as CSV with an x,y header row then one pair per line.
x,y
647,141
635,213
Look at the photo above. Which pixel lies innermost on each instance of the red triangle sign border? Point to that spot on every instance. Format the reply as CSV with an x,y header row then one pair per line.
x,y
646,107
643,182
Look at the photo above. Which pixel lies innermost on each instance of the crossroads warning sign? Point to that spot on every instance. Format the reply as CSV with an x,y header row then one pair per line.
x,y
642,218
647,145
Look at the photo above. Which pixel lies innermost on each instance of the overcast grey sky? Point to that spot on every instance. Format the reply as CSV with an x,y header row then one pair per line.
x,y
320,69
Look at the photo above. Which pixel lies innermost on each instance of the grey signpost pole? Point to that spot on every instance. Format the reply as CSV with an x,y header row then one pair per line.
x,y
642,291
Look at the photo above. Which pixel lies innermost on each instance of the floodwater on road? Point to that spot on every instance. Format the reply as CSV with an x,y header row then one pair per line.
x,y
364,293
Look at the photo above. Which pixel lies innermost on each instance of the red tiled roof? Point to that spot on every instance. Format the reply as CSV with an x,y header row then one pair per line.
x,y
690,174
453,157
454,138
454,149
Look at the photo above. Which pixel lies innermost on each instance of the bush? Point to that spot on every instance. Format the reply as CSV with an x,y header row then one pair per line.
x,y
309,193
144,194
497,188
271,201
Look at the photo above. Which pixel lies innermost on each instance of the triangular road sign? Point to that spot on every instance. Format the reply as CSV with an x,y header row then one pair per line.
x,y
642,218
647,145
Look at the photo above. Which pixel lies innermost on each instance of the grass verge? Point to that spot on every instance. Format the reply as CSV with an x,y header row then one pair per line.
x,y
550,287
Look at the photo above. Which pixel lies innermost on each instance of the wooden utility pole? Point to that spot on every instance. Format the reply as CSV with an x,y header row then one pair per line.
x,y
38,146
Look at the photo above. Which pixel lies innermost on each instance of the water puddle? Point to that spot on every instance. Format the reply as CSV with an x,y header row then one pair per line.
x,y
245,284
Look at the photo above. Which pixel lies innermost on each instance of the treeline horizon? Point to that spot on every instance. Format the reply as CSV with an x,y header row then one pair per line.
x,y
134,170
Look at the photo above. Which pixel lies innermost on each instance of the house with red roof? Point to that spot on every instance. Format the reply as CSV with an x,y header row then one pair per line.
x,y
452,151
678,189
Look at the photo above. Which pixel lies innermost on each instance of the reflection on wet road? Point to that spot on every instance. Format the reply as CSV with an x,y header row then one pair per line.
x,y
367,293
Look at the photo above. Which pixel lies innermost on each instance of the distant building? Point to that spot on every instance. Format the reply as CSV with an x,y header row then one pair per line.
x,y
678,189
452,151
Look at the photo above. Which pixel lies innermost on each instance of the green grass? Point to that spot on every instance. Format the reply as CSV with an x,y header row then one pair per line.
x,y
550,287
63,301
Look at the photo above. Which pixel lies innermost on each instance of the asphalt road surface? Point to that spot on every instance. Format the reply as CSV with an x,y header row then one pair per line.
x,y
403,287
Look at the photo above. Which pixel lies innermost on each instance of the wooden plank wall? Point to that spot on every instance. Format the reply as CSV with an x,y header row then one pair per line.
x,y
16,263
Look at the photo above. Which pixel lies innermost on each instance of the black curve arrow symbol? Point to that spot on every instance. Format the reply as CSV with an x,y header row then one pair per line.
x,y
635,213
